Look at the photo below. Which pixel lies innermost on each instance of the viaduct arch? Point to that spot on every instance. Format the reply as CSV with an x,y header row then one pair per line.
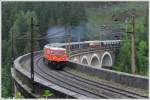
x,y
106,60
84,60
98,59
95,61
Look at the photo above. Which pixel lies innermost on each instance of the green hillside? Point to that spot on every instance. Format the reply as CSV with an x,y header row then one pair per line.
x,y
114,16
103,20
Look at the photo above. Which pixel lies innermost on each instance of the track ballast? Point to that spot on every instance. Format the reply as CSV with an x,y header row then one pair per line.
x,y
80,85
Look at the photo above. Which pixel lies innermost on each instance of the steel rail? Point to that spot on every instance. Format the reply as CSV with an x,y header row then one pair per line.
x,y
102,86
66,86
78,84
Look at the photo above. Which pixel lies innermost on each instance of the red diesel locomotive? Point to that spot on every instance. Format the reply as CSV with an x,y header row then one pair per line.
x,y
55,57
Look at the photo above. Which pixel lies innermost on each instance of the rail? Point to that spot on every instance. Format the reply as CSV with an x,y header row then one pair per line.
x,y
22,78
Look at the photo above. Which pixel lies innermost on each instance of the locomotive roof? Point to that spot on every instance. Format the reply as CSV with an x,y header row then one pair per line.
x,y
54,47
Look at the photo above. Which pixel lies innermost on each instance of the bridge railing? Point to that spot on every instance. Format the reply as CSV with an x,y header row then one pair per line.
x,y
21,78
127,79
87,50
119,77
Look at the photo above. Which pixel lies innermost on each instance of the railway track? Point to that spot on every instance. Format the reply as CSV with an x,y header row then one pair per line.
x,y
80,85
53,79
105,86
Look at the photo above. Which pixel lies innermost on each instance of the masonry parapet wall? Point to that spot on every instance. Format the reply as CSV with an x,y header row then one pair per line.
x,y
127,79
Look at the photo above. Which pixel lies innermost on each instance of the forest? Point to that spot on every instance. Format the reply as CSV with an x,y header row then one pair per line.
x,y
16,18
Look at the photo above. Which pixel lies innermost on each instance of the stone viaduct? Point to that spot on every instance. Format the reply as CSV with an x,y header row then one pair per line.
x,y
99,58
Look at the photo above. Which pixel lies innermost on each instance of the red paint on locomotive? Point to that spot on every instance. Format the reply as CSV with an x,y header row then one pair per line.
x,y
55,54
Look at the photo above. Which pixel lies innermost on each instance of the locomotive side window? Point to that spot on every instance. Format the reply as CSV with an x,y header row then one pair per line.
x,y
59,52
48,51
56,52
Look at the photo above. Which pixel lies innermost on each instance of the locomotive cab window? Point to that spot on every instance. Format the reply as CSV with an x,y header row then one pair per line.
x,y
60,52
47,51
